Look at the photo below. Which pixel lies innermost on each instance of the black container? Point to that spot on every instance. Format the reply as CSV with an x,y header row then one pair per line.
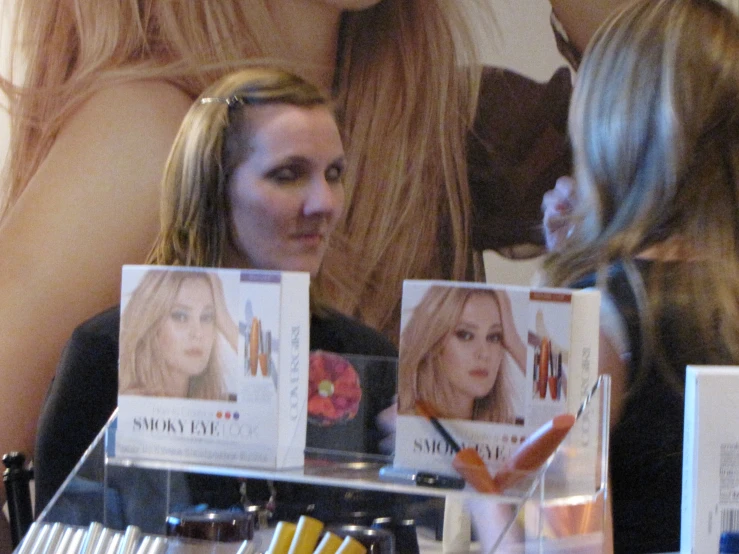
x,y
213,525
404,531
376,541
16,478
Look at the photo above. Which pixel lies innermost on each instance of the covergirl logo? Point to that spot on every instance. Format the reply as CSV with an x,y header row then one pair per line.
x,y
182,427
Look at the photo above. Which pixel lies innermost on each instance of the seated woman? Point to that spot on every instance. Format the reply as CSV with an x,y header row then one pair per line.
x,y
254,180
654,123
453,355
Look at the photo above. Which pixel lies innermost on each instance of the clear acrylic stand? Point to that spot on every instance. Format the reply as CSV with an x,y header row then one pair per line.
x,y
561,507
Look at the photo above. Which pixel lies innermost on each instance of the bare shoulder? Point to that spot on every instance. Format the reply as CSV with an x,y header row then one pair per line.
x,y
154,106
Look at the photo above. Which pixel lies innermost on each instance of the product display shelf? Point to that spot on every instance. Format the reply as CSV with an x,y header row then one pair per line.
x,y
558,508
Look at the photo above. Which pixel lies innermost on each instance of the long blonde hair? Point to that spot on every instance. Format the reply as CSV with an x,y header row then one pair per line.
x,y
141,360
421,375
406,88
654,122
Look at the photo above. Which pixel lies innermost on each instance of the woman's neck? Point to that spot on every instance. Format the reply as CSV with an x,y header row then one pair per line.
x,y
459,406
312,31
178,383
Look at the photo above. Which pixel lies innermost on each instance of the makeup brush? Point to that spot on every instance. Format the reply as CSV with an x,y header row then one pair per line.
x,y
467,461
534,451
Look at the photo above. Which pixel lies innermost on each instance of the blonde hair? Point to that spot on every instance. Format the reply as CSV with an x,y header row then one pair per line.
x,y
654,122
421,375
141,360
406,87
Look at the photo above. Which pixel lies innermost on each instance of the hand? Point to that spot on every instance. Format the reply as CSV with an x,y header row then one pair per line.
x,y
557,206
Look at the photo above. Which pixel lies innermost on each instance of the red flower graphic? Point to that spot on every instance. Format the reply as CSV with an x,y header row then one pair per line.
x,y
334,390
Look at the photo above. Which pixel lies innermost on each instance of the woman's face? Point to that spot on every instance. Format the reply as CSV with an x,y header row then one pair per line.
x,y
188,331
473,350
287,196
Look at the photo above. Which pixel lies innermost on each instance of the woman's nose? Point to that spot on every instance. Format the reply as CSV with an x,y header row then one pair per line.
x,y
323,197
196,330
484,351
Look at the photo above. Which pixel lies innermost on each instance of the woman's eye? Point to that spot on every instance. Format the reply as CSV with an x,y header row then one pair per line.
x,y
495,337
208,317
284,175
334,174
178,316
464,335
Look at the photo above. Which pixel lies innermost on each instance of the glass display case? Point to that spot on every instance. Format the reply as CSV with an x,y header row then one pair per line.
x,y
559,507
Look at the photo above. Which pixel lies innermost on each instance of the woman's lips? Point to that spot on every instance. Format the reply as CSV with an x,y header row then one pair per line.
x,y
194,352
479,373
309,240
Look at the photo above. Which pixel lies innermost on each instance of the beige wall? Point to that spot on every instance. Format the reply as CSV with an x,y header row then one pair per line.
x,y
524,40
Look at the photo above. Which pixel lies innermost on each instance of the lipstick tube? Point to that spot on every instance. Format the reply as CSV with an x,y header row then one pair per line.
x,y
282,538
306,535
534,451
350,545
329,544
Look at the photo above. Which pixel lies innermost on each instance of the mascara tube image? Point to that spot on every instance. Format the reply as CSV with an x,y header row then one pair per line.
x,y
254,346
553,394
544,366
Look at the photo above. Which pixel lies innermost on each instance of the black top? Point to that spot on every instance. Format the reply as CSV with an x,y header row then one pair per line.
x,y
84,392
646,444
517,150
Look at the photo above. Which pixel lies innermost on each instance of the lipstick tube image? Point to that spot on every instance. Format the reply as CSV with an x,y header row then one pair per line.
x,y
282,538
544,366
534,451
329,544
254,346
350,545
306,535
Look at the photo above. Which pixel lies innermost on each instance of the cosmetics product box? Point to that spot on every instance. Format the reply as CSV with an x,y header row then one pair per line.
x,y
493,363
213,366
710,492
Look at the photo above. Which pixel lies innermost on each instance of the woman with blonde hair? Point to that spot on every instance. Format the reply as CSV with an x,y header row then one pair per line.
x,y
452,355
106,87
169,344
654,123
